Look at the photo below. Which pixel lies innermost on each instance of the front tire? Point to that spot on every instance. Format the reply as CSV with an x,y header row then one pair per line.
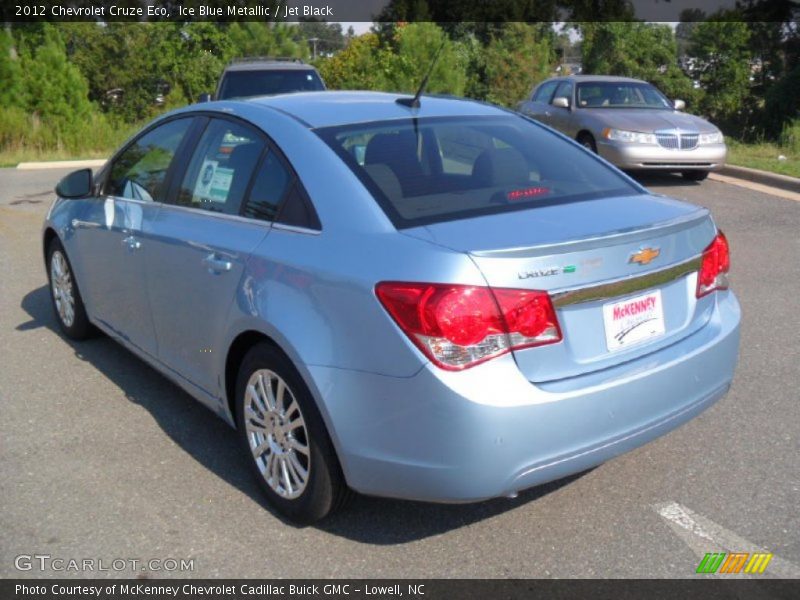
x,y
587,141
65,295
694,175
284,438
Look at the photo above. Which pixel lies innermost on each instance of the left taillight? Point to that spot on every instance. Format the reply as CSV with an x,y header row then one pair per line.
x,y
460,326
716,263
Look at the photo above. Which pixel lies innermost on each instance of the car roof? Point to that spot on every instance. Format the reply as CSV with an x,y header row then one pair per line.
x,y
328,109
598,78
268,64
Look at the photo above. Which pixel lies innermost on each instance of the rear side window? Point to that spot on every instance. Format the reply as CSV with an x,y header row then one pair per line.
x,y
221,168
545,91
441,169
270,185
139,173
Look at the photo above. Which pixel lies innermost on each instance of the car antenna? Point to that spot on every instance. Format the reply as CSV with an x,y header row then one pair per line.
x,y
414,102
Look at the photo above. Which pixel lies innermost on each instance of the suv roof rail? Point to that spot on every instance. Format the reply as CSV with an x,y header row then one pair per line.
x,y
245,59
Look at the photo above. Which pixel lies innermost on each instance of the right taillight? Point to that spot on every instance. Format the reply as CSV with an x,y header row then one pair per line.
x,y
459,326
713,274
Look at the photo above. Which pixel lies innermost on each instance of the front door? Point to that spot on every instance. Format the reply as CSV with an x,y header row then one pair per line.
x,y
110,233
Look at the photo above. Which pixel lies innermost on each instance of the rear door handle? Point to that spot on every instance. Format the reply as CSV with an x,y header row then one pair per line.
x,y
132,243
216,264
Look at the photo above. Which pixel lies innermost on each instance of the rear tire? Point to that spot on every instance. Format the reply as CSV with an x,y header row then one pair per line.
x,y
694,175
587,141
285,440
65,295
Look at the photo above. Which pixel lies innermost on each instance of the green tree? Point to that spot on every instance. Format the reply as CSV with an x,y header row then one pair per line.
x,y
515,61
53,87
634,49
782,104
254,38
324,38
414,48
360,66
10,72
723,66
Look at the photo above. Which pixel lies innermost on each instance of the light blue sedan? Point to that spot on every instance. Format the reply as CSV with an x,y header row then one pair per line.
x,y
447,302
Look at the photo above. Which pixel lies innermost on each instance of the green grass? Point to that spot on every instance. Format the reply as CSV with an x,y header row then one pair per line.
x,y
764,156
11,158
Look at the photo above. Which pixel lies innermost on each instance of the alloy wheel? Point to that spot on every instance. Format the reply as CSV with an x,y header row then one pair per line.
x,y
277,434
61,285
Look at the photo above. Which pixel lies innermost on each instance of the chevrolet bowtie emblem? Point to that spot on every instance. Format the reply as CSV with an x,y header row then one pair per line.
x,y
644,256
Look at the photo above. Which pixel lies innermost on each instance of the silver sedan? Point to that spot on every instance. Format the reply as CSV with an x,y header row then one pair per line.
x,y
629,123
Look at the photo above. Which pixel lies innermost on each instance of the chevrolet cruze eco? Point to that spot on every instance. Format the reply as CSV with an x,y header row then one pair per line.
x,y
444,302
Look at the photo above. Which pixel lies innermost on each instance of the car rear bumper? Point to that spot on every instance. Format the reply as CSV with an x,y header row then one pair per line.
x,y
487,431
636,156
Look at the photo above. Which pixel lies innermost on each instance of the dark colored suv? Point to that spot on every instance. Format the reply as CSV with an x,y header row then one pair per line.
x,y
264,76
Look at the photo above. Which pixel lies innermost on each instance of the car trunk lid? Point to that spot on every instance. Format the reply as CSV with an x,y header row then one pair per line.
x,y
608,264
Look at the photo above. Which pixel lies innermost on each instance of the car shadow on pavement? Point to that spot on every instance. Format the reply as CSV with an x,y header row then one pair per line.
x,y
654,178
190,425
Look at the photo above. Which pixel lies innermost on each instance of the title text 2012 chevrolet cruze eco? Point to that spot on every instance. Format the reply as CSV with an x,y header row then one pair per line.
x,y
447,302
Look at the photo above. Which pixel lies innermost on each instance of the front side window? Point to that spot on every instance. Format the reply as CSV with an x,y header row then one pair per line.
x,y
545,91
221,168
446,168
140,171
564,91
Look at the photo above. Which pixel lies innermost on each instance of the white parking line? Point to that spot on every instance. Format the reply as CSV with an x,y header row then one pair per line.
x,y
703,535
756,187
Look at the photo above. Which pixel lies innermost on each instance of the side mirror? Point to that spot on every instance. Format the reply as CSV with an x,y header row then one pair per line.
x,y
204,98
77,184
679,104
561,102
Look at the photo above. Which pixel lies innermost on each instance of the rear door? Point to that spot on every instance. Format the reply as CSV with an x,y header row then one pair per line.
x,y
203,243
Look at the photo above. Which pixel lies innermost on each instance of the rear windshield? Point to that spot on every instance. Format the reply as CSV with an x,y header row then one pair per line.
x,y
441,169
242,84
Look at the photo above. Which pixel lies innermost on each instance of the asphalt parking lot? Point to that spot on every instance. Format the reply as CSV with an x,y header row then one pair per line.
x,y
102,458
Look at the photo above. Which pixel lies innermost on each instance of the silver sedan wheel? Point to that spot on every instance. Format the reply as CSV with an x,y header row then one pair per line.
x,y
62,288
277,434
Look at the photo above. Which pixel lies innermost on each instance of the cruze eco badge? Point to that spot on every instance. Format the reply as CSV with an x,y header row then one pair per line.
x,y
644,256
546,272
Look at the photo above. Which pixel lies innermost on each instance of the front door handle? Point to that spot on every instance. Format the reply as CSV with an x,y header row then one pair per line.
x,y
132,243
78,224
216,264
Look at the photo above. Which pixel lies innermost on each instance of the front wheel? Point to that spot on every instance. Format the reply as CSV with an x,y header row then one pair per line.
x,y
66,297
587,141
694,175
285,439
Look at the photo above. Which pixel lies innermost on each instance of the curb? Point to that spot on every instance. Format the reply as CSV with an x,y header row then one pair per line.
x,y
62,164
784,182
